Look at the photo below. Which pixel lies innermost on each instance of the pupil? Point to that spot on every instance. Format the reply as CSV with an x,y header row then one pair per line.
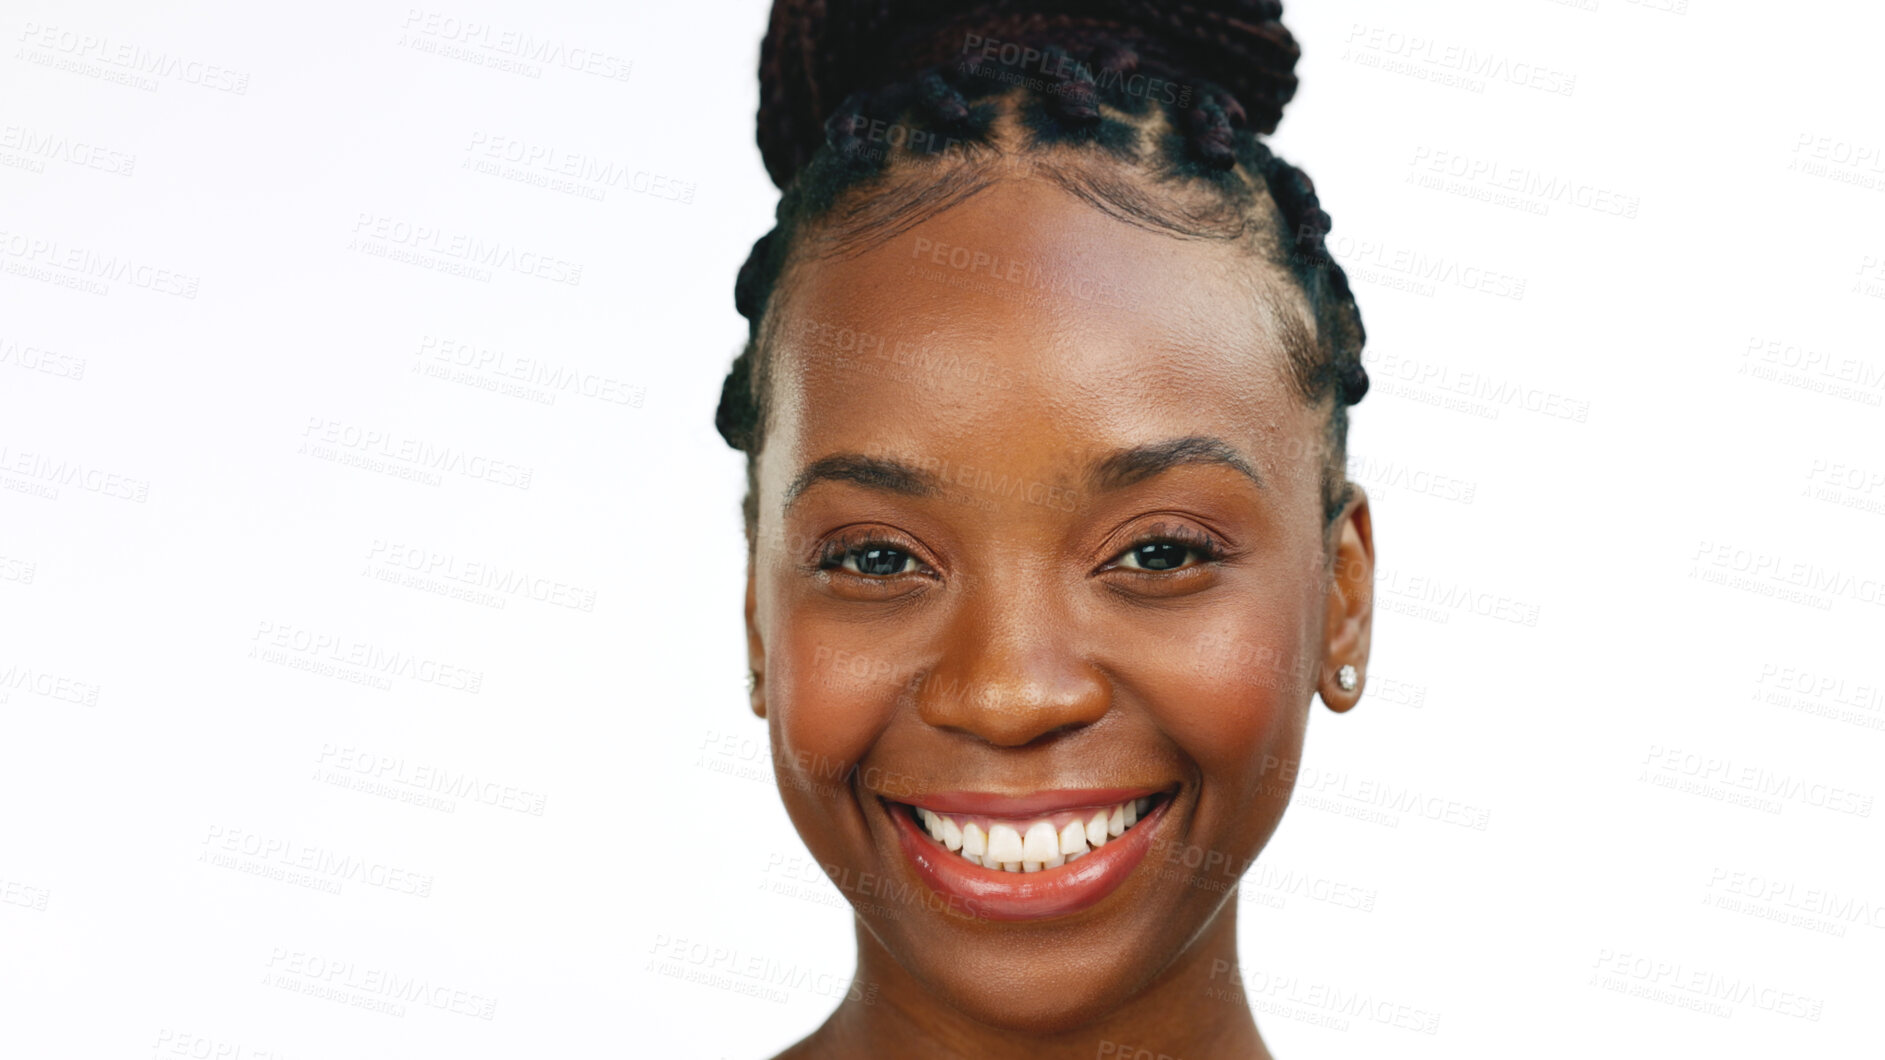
x,y
880,561
1162,556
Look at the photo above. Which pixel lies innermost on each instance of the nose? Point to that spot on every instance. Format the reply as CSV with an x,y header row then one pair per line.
x,y
1012,672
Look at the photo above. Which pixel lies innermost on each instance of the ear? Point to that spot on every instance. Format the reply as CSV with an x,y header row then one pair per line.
x,y
755,647
1350,604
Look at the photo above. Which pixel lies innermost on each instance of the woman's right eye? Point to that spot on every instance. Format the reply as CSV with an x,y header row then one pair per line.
x,y
877,561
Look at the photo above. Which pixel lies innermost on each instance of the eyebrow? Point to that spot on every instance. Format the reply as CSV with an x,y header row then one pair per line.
x,y
878,473
1116,471
1128,466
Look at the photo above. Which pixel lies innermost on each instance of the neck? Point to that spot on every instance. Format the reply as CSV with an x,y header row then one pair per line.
x,y
1195,1008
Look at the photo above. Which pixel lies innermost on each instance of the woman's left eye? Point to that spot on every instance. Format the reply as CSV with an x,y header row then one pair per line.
x,y
877,561
1158,556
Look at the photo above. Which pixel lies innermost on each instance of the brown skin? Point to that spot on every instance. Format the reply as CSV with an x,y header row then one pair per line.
x,y
1015,653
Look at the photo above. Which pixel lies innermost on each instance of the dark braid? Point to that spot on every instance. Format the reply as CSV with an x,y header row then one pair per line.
x,y
835,73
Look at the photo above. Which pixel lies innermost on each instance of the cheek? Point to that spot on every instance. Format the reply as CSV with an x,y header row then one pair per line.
x,y
1234,693
828,697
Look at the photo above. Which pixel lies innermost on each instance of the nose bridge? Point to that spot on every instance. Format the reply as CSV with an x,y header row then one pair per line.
x,y
1012,668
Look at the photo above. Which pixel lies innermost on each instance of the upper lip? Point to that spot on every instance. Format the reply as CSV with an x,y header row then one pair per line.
x,y
996,804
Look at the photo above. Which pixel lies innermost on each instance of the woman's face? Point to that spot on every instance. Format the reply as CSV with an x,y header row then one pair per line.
x,y
1040,534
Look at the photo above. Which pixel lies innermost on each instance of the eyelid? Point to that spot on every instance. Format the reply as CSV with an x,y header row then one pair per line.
x,y
1209,547
836,549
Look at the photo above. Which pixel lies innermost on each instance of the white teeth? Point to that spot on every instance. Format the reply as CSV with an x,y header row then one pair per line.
x,y
974,840
1004,844
1033,846
1041,842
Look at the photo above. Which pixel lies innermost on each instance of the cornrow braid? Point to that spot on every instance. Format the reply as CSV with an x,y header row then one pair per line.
x,y
835,74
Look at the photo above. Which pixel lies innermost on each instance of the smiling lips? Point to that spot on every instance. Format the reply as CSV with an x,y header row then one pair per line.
x,y
1024,859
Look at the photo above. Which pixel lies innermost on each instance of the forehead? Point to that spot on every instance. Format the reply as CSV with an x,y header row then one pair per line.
x,y
1032,325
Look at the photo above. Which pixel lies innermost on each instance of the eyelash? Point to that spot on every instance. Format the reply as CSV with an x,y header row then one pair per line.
x,y
1207,548
835,552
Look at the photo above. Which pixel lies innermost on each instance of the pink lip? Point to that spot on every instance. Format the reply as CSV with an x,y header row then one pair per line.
x,y
994,894
1037,804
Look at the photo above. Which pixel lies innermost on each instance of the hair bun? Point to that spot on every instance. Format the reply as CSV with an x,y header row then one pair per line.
x,y
1354,380
818,52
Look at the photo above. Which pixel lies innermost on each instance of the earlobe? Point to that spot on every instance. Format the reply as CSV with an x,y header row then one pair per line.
x,y
1341,687
1350,606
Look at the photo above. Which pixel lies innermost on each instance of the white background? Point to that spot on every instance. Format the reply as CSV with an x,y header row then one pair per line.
x,y
1667,447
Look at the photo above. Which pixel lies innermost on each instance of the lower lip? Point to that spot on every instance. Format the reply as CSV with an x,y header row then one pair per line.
x,y
997,894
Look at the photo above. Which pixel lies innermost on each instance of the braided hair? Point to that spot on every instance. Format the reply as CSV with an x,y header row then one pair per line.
x,y
1176,92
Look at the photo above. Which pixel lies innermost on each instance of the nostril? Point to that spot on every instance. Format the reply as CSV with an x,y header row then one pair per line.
x,y
1010,740
1056,733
